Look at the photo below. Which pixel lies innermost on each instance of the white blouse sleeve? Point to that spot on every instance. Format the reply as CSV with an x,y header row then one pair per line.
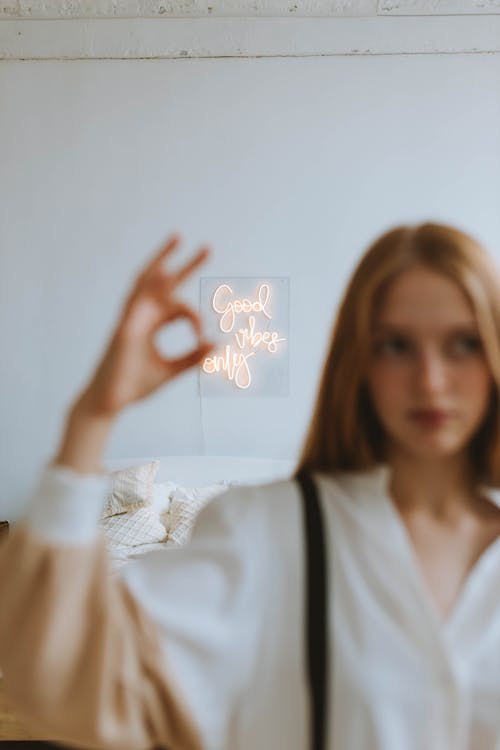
x,y
158,656
207,600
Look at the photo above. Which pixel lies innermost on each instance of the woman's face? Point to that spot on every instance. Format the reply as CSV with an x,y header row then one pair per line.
x,y
427,355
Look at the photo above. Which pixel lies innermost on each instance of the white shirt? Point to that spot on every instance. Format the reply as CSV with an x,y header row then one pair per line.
x,y
229,611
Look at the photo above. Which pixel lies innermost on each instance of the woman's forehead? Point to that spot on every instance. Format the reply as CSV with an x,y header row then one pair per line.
x,y
421,297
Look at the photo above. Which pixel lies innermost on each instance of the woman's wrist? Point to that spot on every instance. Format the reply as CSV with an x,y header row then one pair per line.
x,y
84,439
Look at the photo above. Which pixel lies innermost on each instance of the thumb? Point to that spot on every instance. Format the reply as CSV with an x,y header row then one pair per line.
x,y
192,358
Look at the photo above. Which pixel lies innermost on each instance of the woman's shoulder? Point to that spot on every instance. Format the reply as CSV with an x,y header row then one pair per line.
x,y
250,511
249,503
246,517
241,500
353,484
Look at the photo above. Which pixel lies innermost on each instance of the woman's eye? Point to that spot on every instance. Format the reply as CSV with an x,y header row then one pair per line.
x,y
399,346
394,345
465,344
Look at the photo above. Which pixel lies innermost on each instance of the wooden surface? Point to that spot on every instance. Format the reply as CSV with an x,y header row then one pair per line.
x,y
11,726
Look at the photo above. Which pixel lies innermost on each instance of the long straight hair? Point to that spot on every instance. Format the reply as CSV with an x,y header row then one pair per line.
x,y
345,433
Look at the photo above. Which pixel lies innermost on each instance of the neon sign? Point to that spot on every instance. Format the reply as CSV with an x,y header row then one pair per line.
x,y
239,305
250,338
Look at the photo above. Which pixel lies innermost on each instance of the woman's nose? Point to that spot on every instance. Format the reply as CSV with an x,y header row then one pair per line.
x,y
430,371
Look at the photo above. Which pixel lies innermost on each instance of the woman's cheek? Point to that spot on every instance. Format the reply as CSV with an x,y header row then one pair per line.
x,y
387,382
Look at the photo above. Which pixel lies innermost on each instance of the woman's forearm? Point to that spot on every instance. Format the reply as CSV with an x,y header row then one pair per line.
x,y
83,440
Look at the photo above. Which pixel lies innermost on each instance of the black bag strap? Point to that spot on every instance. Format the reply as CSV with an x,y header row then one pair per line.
x,y
316,608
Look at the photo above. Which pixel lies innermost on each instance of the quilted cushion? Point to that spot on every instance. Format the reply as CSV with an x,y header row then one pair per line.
x,y
185,504
131,488
141,526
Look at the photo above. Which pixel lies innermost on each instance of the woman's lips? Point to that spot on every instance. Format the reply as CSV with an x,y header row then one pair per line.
x,y
430,417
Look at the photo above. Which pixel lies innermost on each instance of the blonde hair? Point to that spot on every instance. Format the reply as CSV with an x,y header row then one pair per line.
x,y
345,433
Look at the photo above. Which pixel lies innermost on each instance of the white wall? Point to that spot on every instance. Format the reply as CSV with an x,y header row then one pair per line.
x,y
289,166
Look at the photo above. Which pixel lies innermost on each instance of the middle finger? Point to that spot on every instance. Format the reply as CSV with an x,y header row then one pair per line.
x,y
182,273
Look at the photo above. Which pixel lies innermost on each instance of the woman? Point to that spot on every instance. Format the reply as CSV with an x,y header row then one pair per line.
x,y
203,646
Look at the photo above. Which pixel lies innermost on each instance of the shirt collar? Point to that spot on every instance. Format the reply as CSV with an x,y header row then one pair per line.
x,y
379,478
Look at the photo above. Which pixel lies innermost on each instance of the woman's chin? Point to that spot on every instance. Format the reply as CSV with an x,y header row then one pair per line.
x,y
432,446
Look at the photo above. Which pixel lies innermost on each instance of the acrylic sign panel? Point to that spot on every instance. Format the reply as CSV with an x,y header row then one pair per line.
x,y
247,319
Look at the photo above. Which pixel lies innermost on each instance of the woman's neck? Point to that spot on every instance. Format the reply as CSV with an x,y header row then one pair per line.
x,y
442,488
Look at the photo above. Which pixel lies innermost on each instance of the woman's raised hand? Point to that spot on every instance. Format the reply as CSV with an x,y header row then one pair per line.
x,y
132,367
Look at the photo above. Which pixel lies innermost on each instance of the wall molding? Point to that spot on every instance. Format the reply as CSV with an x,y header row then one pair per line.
x,y
133,39
438,7
184,8
89,9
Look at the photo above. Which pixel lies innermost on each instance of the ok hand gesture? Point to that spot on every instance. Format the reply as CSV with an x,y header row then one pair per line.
x,y
132,367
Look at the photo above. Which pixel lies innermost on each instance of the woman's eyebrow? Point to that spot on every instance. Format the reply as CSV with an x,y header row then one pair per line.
x,y
466,326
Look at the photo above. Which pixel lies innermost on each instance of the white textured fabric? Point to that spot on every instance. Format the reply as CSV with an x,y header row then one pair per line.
x,y
120,556
162,492
185,504
141,526
132,534
131,488
229,611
